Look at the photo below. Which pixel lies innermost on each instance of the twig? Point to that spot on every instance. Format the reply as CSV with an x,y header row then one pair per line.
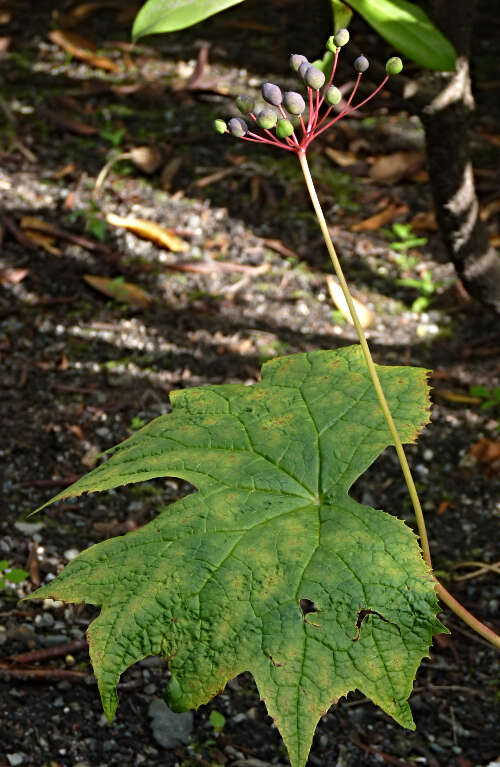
x,y
17,233
48,652
381,754
45,674
61,482
483,569
206,267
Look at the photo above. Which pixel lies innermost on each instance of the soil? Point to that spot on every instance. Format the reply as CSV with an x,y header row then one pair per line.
x,y
80,371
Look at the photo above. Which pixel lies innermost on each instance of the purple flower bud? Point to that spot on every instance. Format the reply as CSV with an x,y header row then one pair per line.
x,y
303,69
272,94
245,104
296,59
267,118
294,103
341,37
361,64
314,78
237,127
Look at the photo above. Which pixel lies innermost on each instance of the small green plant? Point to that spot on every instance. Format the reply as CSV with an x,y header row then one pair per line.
x,y
217,720
490,398
271,567
92,216
137,423
113,135
426,286
9,576
406,238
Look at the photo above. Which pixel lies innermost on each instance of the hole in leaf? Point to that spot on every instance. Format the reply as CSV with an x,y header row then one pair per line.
x,y
307,606
362,615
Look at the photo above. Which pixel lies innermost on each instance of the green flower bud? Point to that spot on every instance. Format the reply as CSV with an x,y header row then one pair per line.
x,y
245,104
272,94
284,128
314,78
294,103
267,119
332,95
341,37
361,64
237,127
330,44
220,126
303,69
394,65
296,59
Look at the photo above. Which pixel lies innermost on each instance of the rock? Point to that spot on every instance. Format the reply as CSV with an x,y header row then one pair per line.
x,y
28,528
51,640
15,759
169,730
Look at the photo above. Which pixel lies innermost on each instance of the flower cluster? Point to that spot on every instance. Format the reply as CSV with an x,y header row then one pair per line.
x,y
294,122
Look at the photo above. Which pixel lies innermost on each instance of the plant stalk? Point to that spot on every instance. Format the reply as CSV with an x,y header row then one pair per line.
x,y
446,597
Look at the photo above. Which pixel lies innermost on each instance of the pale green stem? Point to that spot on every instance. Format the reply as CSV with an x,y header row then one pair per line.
x,y
457,608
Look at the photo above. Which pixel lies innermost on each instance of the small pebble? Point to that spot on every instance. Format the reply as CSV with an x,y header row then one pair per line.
x,y
51,640
150,689
15,759
428,454
70,554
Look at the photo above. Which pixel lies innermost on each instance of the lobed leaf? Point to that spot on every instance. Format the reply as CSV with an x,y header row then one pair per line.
x,y
271,567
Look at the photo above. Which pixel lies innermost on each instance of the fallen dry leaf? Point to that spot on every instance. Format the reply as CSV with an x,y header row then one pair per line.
x,y
150,230
365,315
81,12
4,45
66,170
117,288
341,158
12,276
379,219
393,167
89,458
487,451
495,240
455,396
38,224
443,506
425,221
82,49
44,241
489,209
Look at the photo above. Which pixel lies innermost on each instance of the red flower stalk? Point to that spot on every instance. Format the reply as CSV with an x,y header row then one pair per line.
x,y
290,129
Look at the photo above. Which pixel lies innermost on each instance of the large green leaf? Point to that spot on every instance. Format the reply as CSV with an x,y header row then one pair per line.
x,y
408,28
342,14
168,15
271,567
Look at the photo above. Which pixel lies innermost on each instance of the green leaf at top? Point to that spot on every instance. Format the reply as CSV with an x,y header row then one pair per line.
x,y
408,28
168,15
342,14
271,567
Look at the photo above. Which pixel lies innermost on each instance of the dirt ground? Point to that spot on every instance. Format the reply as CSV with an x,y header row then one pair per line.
x,y
81,370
